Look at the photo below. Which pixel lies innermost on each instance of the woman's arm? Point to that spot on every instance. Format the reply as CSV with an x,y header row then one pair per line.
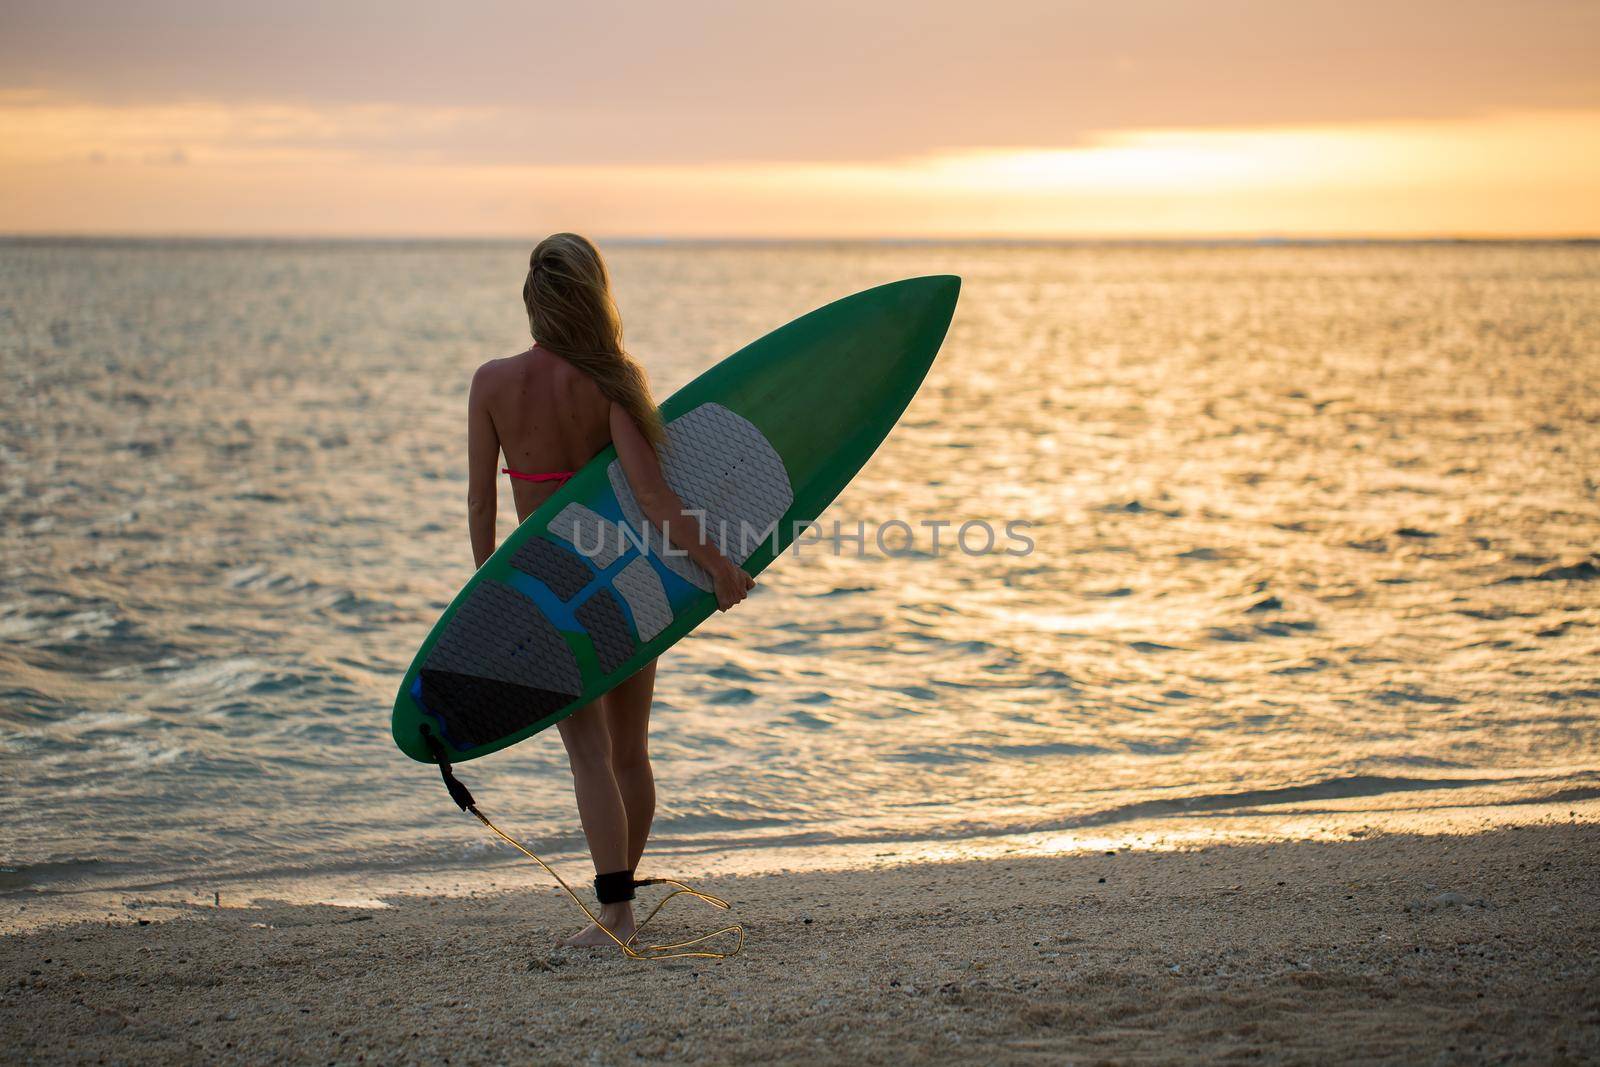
x,y
483,449
663,508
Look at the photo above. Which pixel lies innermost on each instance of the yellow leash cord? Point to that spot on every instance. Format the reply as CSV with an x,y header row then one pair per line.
x,y
652,952
673,951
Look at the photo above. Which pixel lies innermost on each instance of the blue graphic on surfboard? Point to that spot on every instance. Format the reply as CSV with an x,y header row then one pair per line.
x,y
599,583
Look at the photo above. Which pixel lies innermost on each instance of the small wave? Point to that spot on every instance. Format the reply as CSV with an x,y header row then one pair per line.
x,y
1315,663
797,647
108,720
943,756
1582,571
1412,695
1495,614
26,875
1286,627
259,576
1135,507
1153,646
1169,747
1411,761
1561,629
238,673
1049,748
1327,789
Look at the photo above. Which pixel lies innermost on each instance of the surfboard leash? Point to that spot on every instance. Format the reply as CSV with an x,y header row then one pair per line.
x,y
676,950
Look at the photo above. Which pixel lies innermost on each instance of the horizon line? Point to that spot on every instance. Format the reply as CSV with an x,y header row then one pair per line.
x,y
63,237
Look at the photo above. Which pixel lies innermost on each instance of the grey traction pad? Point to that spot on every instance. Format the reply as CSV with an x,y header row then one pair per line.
x,y
593,536
719,463
561,570
640,588
602,616
500,634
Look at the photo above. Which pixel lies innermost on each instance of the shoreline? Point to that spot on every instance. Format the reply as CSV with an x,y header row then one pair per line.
x,y
499,869
1392,947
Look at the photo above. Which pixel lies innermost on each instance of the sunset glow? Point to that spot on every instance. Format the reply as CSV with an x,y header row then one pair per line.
x,y
1073,149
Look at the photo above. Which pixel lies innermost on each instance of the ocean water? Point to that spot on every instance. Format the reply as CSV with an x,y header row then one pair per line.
x,y
1314,530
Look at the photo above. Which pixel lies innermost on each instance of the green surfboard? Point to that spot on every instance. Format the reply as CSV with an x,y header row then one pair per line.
x,y
586,591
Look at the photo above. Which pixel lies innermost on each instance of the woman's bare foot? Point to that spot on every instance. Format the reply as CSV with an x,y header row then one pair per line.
x,y
618,918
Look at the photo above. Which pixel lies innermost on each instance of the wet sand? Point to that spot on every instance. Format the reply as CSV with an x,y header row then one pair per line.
x,y
1392,948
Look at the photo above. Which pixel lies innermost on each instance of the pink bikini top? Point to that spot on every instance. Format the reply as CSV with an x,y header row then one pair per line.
x,y
554,476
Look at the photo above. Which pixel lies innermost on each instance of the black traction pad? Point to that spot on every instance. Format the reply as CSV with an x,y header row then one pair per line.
x,y
563,571
474,711
608,628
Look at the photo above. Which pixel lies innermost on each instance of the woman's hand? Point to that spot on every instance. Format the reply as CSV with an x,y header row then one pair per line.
x,y
731,583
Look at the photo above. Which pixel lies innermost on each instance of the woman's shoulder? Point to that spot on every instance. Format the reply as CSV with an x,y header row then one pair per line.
x,y
511,370
495,369
537,369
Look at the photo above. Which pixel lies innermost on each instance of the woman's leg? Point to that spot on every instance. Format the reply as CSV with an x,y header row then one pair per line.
x,y
628,721
600,809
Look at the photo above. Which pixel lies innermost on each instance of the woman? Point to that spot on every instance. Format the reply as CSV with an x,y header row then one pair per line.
x,y
550,410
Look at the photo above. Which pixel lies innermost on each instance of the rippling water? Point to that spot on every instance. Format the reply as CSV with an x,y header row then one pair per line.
x,y
1312,523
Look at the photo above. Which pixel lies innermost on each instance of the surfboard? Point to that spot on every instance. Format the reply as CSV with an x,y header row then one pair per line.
x,y
586,591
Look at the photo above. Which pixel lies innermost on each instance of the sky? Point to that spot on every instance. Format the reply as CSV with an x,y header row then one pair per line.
x,y
894,118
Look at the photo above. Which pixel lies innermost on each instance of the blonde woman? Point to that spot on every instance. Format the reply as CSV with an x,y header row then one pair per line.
x,y
550,410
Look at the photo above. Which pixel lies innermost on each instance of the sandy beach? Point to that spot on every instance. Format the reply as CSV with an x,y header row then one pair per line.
x,y
1481,948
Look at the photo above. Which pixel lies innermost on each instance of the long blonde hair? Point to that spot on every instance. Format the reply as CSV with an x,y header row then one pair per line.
x,y
571,312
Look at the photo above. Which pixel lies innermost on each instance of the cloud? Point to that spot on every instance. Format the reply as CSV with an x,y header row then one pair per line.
x,y
38,126
706,81
289,173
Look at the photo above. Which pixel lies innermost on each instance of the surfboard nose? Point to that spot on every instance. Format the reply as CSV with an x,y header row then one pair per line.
x,y
933,296
918,310
946,287
939,291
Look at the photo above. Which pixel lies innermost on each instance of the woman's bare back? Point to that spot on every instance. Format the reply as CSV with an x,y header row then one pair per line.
x,y
548,415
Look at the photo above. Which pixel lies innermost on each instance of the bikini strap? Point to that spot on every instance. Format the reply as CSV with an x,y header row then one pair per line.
x,y
553,476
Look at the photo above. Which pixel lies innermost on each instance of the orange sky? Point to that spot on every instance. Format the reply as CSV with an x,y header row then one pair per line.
x,y
1021,119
